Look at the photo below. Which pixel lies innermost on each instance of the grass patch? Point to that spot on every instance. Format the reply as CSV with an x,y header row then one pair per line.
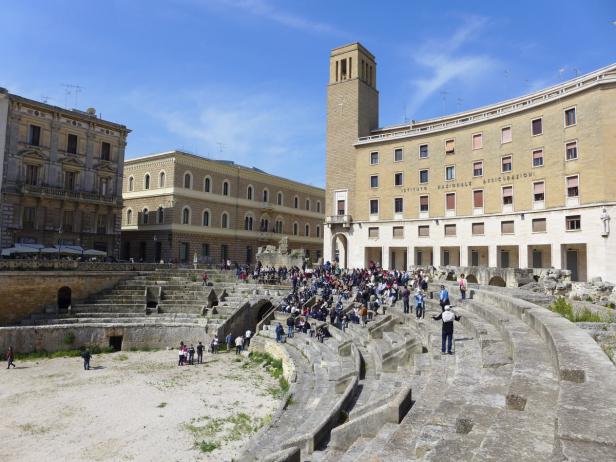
x,y
120,357
281,390
565,309
69,338
208,446
161,405
33,429
271,364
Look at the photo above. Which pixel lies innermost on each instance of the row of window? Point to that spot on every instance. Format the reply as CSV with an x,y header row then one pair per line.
x,y
571,153
226,189
572,184
538,225
70,179
536,129
68,223
249,224
72,142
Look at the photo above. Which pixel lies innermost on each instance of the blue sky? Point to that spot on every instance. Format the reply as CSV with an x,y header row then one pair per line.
x,y
246,79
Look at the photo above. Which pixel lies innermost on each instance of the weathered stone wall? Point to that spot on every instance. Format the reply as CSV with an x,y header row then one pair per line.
x,y
25,293
52,338
72,265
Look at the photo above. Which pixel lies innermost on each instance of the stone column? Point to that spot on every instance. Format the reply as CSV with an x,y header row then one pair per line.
x,y
557,256
492,256
523,256
436,256
464,255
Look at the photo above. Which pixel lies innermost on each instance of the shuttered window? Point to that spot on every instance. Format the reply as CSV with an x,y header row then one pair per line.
x,y
539,191
450,146
477,229
506,135
373,233
573,186
478,199
539,225
450,201
398,232
450,230
423,231
423,204
507,195
477,141
506,227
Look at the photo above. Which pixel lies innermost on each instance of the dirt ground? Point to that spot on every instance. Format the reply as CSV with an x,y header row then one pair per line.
x,y
132,406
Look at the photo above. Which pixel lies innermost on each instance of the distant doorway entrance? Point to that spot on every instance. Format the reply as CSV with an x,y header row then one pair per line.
x,y
115,342
64,298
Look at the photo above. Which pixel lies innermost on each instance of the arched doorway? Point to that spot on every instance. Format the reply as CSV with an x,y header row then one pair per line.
x,y
64,298
471,279
339,249
497,281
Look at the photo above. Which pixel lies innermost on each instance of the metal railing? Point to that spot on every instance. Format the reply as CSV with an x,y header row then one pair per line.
x,y
61,193
339,219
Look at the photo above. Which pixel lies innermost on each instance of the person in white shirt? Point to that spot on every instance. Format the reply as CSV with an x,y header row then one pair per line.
x,y
247,339
239,343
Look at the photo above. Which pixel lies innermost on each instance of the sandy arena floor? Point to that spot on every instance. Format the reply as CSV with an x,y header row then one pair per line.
x,y
132,406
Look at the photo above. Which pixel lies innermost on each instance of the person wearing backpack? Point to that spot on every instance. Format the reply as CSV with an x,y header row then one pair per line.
x,y
443,297
448,317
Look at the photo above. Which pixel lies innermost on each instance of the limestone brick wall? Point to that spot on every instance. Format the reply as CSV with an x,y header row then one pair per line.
x,y
52,338
25,293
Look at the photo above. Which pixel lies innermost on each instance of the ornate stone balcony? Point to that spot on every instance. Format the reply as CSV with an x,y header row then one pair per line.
x,y
344,220
61,193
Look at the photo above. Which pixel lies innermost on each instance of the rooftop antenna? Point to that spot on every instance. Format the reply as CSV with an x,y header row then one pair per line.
x,y
71,89
577,71
459,103
406,119
561,72
44,99
221,147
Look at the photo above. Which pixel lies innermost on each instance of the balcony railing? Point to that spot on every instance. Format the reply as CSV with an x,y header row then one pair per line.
x,y
61,193
344,220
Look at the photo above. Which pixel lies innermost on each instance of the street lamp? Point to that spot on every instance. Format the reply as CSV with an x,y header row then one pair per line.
x,y
59,240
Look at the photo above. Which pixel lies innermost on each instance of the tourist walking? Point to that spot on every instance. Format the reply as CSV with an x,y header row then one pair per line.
x,y
204,278
229,341
239,343
363,314
290,326
443,297
200,353
10,356
247,339
86,359
406,294
462,284
448,317
214,345
420,304
279,333
181,354
191,355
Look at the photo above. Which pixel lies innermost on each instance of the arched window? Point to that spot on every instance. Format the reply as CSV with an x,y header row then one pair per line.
x,y
187,180
296,202
146,216
225,188
185,216
318,231
307,204
131,183
224,222
207,184
318,206
249,193
129,217
265,195
161,215
248,223
206,218
146,181
264,224
295,229
161,180
278,226
307,230
279,198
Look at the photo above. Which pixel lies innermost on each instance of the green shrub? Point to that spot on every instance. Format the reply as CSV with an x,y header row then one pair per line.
x,y
69,338
208,446
566,310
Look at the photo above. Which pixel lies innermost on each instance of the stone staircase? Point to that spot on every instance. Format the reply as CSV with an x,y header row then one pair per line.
x,y
524,384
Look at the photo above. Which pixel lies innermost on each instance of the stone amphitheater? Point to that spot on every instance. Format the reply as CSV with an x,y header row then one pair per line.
x,y
524,383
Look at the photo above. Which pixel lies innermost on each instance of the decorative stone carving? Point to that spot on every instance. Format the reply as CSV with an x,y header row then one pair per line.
x,y
605,219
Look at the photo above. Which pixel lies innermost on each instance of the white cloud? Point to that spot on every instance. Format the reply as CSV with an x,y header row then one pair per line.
x,y
267,10
445,62
272,131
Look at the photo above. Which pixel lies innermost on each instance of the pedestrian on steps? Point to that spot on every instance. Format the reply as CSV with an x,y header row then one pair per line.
x,y
448,317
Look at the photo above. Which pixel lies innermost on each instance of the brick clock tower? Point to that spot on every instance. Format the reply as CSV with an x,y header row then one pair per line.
x,y
352,112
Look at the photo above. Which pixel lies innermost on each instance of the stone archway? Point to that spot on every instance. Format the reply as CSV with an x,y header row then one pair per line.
x,y
497,281
471,279
339,249
64,298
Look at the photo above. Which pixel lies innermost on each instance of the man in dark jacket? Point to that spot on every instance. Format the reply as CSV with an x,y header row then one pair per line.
x,y
447,316
86,359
